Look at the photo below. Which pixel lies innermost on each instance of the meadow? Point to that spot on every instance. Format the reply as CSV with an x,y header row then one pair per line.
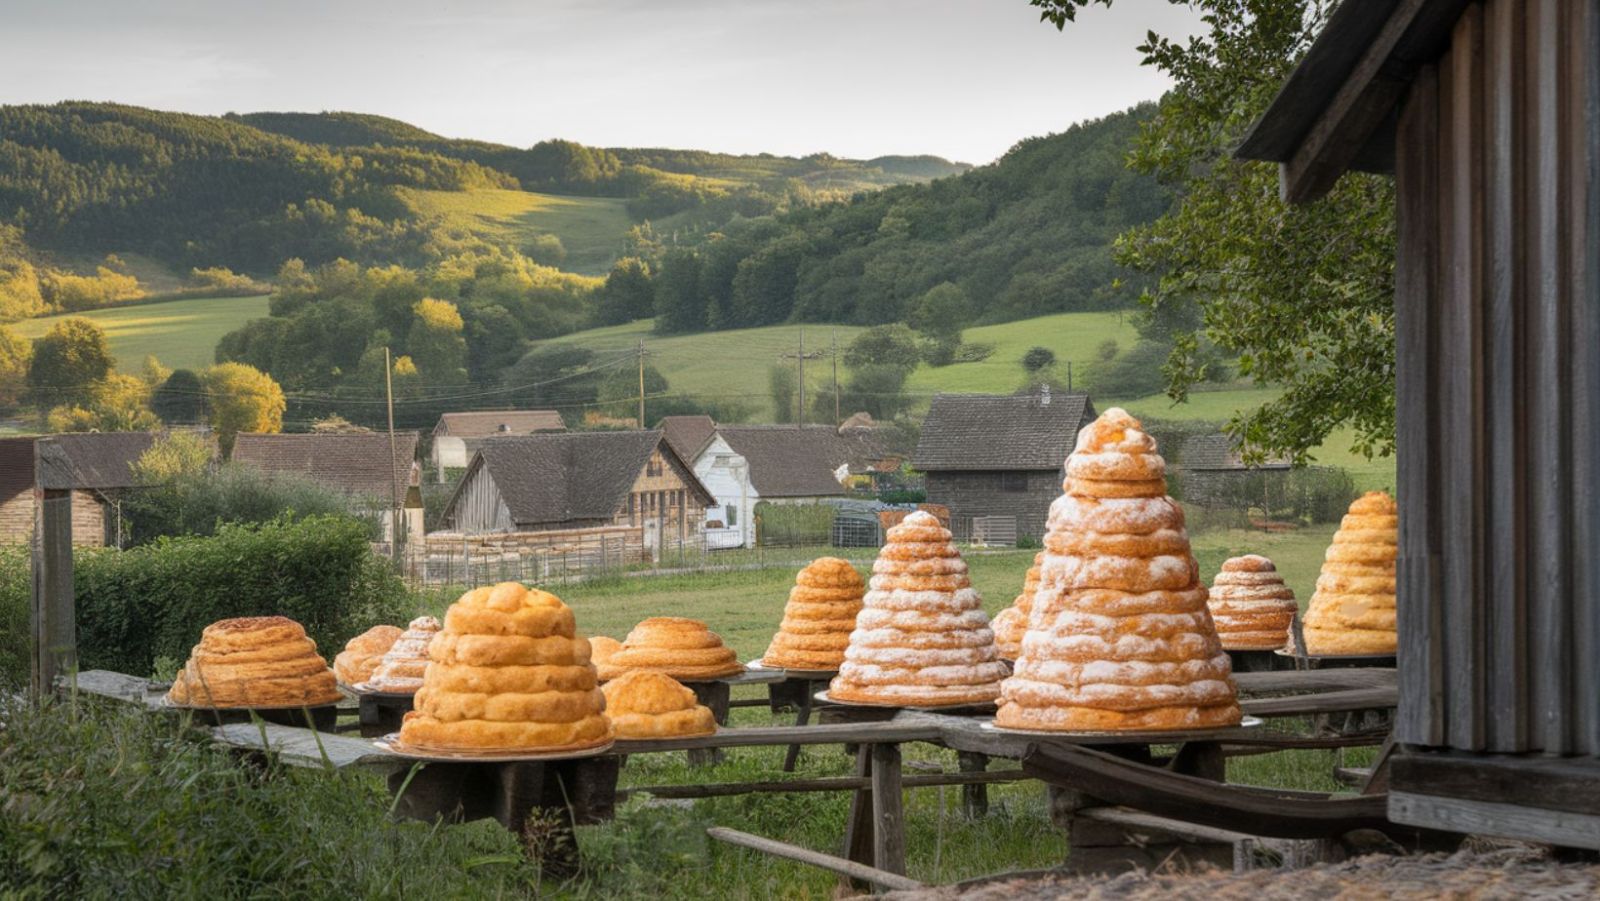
x,y
180,333
590,228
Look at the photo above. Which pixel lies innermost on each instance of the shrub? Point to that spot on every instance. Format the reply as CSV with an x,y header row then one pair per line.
x,y
152,601
1312,494
16,641
903,496
794,525
199,505
1135,372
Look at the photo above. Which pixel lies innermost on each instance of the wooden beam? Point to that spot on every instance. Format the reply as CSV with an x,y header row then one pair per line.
x,y
859,871
821,784
822,734
1533,781
52,612
888,814
1564,828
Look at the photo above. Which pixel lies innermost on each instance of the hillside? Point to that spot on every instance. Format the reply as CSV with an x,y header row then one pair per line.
x,y
180,333
591,229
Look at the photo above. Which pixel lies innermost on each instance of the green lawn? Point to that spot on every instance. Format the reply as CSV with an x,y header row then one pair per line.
x,y
1073,336
181,333
591,228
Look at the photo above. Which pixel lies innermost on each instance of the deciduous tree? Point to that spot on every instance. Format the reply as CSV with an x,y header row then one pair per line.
x,y
242,398
69,361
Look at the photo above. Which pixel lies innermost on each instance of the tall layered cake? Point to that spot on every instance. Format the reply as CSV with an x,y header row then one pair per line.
x,y
819,617
921,638
1251,605
256,661
673,646
1011,623
1120,637
507,673
1352,610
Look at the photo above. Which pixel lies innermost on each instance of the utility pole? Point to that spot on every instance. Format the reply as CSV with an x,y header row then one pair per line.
x,y
641,383
1069,376
800,357
394,476
835,354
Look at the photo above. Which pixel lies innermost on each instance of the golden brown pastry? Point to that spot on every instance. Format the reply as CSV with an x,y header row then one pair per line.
x,y
362,654
819,617
256,661
1011,623
601,648
1251,605
921,638
674,646
507,673
1352,610
1120,637
402,667
646,704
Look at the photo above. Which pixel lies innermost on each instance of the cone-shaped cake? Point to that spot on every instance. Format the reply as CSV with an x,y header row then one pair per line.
x,y
362,654
921,638
644,704
673,646
1251,605
1119,638
1011,623
508,673
402,667
256,661
819,617
1352,610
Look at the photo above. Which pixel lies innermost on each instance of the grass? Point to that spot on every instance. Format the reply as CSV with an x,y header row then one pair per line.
x,y
181,333
591,228
1074,337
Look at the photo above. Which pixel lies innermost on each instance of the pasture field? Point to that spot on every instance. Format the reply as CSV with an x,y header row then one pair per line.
x,y
591,228
181,333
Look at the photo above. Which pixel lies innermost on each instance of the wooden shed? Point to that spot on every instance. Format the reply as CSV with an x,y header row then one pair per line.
x,y
1488,116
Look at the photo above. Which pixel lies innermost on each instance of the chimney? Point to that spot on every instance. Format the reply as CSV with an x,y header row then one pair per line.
x,y
1044,394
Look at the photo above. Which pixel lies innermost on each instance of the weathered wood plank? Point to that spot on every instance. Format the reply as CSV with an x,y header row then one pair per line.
x,y
1325,702
1573,830
850,868
758,736
820,784
888,816
52,616
1530,781
1316,680
1136,819
305,748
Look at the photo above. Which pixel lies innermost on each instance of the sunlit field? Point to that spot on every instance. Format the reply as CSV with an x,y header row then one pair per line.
x,y
590,228
181,333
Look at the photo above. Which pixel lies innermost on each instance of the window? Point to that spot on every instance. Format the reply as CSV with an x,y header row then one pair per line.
x,y
1013,481
730,515
653,468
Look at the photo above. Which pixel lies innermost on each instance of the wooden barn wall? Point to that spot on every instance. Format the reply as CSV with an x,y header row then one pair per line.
x,y
1498,381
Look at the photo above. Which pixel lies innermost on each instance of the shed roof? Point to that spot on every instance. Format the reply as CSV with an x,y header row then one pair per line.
x,y
688,435
1001,431
786,461
350,462
104,460
483,423
1219,451
558,477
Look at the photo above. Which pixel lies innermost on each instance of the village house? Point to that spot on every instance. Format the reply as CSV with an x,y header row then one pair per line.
x,y
350,463
581,480
1212,465
456,436
102,471
995,460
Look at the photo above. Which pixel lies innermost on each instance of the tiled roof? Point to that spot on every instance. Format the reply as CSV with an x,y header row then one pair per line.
x,y
1001,431
16,467
1218,452
555,478
786,461
483,423
104,460
351,462
688,435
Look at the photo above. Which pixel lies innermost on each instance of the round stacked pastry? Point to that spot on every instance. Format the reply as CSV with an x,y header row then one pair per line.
x,y
1352,610
507,673
1251,605
403,666
645,704
673,646
601,647
362,654
256,661
921,638
819,617
1120,637
1011,623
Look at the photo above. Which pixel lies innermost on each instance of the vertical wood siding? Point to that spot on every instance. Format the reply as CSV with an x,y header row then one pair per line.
x,y
1498,385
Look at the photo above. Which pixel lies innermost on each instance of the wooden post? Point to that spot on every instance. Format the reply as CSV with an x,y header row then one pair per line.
x,y
975,796
888,819
55,643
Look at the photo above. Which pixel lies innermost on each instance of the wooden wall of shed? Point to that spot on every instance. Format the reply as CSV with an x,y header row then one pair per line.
x,y
1498,385
969,493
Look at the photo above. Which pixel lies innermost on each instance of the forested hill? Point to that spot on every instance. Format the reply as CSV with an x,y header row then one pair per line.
x,y
1028,235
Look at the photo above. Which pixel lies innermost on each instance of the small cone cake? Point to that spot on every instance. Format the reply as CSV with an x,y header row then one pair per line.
x,y
921,639
402,667
601,647
257,661
673,646
1352,610
644,704
507,673
1010,623
1251,605
819,617
1119,638
362,654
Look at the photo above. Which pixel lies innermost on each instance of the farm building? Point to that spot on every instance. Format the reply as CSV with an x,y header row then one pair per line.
x,y
351,463
1212,466
730,521
580,480
1488,116
995,460
102,473
456,435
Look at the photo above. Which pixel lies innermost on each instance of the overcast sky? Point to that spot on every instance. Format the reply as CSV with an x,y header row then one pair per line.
x,y
964,79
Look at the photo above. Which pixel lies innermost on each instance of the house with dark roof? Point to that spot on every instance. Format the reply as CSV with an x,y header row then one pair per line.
x,y
356,464
996,460
102,472
456,435
577,480
1211,467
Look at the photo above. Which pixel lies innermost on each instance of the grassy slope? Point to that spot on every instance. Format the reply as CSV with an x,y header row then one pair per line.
x,y
181,333
591,228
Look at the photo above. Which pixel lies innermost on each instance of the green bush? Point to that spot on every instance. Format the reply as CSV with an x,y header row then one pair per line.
x,y
138,605
105,801
232,494
903,496
1312,494
16,643
794,525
